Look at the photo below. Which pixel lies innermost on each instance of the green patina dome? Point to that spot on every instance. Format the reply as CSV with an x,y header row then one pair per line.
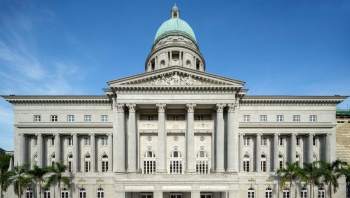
x,y
175,25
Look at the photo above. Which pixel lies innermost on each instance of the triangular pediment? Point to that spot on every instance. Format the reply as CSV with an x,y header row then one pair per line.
x,y
175,76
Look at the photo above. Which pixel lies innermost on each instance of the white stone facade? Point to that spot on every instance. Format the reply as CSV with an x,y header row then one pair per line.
x,y
175,131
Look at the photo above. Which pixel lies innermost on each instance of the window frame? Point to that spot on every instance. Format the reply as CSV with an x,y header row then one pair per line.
x,y
54,118
313,118
70,118
296,118
37,118
104,118
87,118
279,118
246,118
263,118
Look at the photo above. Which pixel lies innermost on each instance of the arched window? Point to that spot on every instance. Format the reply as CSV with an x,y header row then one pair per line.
x,y
47,193
286,193
162,64
82,193
280,160
64,193
104,163
175,163
251,192
70,163
263,163
29,193
202,163
87,163
188,63
321,192
100,193
268,193
303,192
246,160
149,163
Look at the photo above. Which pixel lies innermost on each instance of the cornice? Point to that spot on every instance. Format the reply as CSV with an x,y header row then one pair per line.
x,y
64,125
286,125
174,90
57,100
291,100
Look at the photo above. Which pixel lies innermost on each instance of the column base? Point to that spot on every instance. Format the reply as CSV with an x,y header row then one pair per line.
x,y
191,171
220,170
120,171
232,171
131,170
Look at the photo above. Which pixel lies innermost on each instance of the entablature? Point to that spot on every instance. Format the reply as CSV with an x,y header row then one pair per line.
x,y
64,125
286,125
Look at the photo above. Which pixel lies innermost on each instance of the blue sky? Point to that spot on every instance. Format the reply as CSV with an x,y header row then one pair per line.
x,y
277,47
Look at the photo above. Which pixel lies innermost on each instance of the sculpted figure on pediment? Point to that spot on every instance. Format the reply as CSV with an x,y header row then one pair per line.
x,y
176,79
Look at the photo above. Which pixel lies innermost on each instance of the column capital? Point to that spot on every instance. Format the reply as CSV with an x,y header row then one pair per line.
x,y
276,134
311,134
109,134
220,107
56,134
294,134
132,107
190,107
329,134
259,134
91,134
38,134
161,107
232,107
120,107
242,134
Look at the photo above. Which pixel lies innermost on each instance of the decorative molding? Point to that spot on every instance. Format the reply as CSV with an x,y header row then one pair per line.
x,y
190,107
161,107
232,107
220,108
120,107
132,107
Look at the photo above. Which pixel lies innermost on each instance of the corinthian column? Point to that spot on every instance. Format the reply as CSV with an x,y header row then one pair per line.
x,y
110,152
57,147
327,149
241,144
293,151
161,138
93,152
190,139
220,138
120,161
132,139
75,153
275,152
23,150
310,148
40,149
232,141
258,152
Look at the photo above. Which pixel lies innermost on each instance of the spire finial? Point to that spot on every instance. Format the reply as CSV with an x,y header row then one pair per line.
x,y
175,12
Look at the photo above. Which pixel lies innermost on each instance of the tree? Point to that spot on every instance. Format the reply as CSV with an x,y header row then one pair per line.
x,y
37,174
290,173
20,178
5,180
56,176
330,173
311,174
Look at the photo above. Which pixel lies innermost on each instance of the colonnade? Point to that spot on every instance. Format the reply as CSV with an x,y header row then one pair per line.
x,y
326,149
41,150
120,162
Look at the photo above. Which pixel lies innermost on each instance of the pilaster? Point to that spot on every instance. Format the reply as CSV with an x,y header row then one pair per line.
x,y
232,141
258,153
132,138
93,152
241,151
110,151
275,152
293,148
120,159
40,149
75,153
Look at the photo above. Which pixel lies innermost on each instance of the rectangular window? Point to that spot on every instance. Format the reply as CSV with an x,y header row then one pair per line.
x,y
175,118
35,142
70,141
70,166
246,141
263,118
281,164
149,167
280,141
37,118
263,165
298,141
104,118
175,167
53,141
263,141
246,166
286,194
87,166
296,118
201,118
87,118
202,167
87,141
54,118
279,118
313,118
104,141
150,118
70,118
104,166
246,118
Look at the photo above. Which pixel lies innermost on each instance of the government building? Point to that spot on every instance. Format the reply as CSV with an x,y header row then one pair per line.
x,y
175,131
